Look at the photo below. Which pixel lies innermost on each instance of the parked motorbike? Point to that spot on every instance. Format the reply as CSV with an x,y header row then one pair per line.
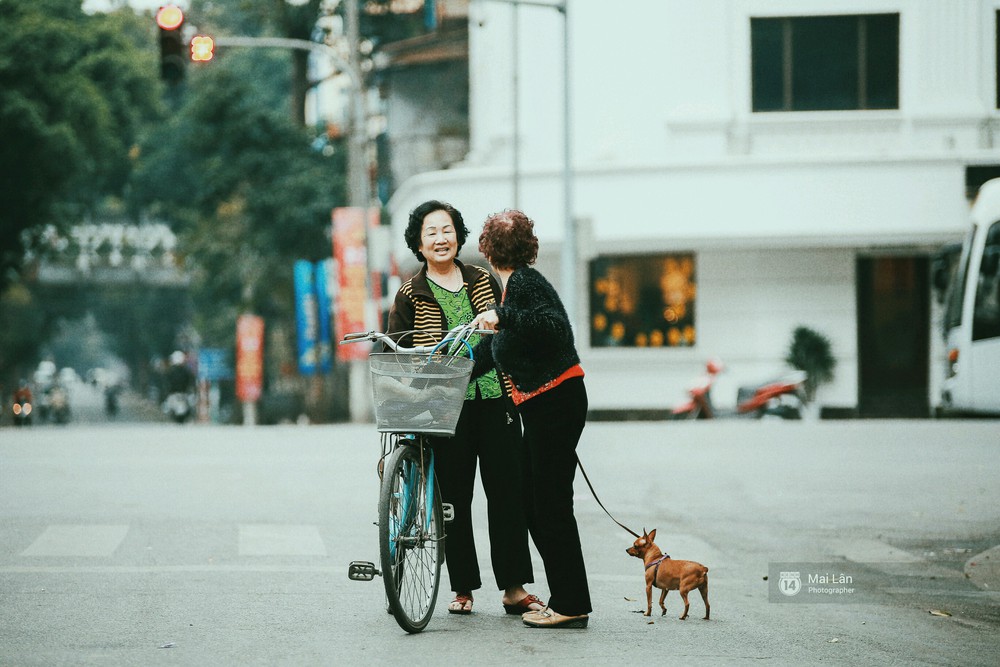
x,y
178,406
782,397
699,402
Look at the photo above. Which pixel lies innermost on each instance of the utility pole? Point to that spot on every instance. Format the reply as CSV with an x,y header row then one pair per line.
x,y
356,160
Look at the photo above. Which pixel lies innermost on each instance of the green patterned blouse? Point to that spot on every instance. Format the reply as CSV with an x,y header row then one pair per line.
x,y
458,310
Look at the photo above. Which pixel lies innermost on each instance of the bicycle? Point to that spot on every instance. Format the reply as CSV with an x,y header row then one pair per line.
x,y
417,392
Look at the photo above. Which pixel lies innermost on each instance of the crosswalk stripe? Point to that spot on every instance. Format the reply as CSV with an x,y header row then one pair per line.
x,y
280,540
78,540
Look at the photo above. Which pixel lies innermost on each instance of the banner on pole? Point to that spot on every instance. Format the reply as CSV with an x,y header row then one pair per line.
x,y
306,317
324,273
249,357
350,251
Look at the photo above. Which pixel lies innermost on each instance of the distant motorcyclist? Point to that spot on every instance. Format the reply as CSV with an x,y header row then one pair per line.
x,y
111,399
57,404
22,403
23,392
180,388
180,379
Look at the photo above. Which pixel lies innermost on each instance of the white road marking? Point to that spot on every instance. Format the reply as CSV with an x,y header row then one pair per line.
x,y
280,540
92,541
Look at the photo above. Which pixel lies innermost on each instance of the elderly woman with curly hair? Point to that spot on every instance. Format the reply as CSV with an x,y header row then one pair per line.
x,y
533,346
443,294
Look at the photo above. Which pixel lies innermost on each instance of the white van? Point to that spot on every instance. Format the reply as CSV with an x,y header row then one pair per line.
x,y
972,314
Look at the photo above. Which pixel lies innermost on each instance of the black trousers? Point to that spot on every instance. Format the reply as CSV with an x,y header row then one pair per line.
x,y
553,422
484,436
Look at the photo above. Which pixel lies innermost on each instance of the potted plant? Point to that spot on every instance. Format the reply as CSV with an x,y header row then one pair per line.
x,y
810,351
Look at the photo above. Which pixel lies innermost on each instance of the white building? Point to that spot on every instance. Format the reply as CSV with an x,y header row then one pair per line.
x,y
805,159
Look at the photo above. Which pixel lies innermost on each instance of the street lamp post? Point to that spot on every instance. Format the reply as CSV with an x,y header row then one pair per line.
x,y
569,249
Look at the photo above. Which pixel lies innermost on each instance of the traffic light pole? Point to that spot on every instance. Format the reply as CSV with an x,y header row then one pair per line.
x,y
357,173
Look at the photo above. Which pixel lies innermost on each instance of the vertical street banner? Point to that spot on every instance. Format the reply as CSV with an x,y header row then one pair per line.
x,y
324,273
350,251
249,358
306,317
379,249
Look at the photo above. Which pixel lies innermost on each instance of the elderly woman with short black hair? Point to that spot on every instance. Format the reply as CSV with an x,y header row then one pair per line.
x,y
443,294
533,346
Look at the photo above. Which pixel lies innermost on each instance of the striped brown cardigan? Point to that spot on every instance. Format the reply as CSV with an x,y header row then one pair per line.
x,y
416,308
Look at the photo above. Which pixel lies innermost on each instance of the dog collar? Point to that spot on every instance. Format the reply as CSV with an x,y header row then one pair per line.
x,y
657,561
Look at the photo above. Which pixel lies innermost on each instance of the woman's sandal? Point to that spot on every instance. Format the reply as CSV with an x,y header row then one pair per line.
x,y
462,604
524,605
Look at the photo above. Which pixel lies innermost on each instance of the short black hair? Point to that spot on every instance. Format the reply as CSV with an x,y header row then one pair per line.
x,y
416,224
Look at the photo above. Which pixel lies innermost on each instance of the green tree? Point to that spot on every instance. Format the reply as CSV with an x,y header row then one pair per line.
x,y
74,92
245,192
254,18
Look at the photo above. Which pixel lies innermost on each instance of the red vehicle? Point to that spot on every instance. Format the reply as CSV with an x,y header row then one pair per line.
x,y
781,397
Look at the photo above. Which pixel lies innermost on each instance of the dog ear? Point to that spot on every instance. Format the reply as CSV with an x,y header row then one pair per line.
x,y
644,533
652,535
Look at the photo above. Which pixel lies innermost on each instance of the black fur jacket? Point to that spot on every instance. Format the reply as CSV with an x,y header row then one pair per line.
x,y
534,341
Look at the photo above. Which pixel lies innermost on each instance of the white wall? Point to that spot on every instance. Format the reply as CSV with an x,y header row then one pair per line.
x,y
669,157
654,79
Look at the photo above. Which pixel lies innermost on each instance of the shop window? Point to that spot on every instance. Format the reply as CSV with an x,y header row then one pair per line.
x,y
986,316
643,301
813,63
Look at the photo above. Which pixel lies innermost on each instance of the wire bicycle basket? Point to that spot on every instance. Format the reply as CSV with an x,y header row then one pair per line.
x,y
418,392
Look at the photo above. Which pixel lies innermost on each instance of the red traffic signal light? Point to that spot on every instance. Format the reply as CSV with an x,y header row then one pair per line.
x,y
202,48
169,17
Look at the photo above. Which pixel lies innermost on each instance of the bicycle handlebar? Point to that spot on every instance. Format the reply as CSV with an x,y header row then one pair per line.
x,y
459,335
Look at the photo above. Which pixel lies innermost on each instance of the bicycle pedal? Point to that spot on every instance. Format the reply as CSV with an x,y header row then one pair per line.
x,y
362,570
448,510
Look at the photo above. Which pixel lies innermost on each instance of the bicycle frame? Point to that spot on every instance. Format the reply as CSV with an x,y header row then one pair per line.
x,y
413,475
411,515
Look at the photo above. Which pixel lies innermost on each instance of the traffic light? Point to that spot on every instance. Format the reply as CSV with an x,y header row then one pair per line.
x,y
173,54
202,48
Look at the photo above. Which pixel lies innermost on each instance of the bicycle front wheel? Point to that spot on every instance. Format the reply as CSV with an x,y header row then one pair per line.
x,y
411,537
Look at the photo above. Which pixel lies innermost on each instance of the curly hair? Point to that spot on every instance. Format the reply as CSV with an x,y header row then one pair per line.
x,y
416,224
508,240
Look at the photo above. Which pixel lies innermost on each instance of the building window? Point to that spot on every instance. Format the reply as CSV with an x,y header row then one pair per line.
x,y
643,301
813,63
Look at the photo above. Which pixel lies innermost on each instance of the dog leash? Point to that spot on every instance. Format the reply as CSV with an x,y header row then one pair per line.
x,y
580,464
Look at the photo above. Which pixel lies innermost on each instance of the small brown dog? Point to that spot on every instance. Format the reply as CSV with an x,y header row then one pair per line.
x,y
669,574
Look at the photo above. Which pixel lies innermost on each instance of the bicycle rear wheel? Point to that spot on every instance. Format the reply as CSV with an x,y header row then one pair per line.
x,y
411,537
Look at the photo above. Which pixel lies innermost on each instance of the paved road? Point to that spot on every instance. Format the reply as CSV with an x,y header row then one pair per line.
x,y
229,545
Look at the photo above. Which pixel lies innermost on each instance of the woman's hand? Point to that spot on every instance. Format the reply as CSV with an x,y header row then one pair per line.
x,y
487,320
